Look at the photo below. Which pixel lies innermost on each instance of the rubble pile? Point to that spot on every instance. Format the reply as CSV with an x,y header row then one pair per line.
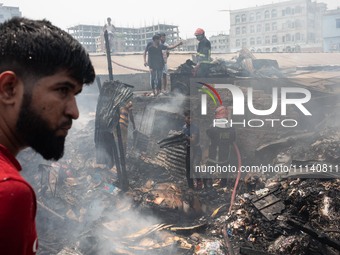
x,y
311,201
327,146
245,65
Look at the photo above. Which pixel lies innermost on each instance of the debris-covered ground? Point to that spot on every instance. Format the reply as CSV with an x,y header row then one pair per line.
x,y
82,210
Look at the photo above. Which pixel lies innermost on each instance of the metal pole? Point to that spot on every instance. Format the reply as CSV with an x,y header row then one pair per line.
x,y
117,161
124,179
108,54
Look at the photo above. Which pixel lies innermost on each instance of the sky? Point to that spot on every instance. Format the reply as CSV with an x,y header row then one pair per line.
x,y
212,16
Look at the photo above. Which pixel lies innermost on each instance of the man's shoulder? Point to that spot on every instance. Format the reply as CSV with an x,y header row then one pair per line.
x,y
148,45
15,185
206,41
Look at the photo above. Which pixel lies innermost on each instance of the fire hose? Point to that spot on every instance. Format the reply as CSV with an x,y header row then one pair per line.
x,y
131,68
238,176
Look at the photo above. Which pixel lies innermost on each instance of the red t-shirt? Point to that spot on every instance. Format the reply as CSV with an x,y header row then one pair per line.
x,y
18,234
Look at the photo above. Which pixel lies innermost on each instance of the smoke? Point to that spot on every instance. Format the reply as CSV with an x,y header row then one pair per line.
x,y
121,230
162,115
174,105
89,214
87,102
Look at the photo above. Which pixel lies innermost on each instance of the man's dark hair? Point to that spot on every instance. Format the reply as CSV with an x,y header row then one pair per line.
x,y
36,48
187,113
156,37
162,34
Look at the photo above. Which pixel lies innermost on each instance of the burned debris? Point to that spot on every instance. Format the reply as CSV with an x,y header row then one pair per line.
x,y
105,197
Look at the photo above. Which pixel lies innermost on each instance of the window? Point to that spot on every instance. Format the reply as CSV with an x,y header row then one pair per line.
x,y
267,39
266,14
252,29
274,26
252,17
288,10
298,9
297,37
244,30
288,38
243,18
311,37
274,13
258,40
244,42
237,19
274,39
258,15
283,39
252,41
258,28
238,43
337,23
274,49
238,30
298,23
283,12
267,27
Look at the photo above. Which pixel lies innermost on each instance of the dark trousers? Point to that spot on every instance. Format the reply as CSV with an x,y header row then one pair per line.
x,y
156,79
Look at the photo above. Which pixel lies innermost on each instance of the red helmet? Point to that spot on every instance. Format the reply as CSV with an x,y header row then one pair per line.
x,y
199,31
221,112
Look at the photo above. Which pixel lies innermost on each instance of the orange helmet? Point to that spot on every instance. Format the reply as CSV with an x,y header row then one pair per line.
x,y
199,31
221,112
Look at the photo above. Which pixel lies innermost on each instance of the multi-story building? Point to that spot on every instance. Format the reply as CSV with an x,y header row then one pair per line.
x,y
125,39
220,43
86,35
280,27
331,31
190,44
7,12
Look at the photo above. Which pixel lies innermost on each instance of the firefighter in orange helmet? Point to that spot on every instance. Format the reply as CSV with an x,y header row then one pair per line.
x,y
204,46
202,57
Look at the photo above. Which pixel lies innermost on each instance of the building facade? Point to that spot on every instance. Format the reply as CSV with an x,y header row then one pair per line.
x,y
280,27
125,39
331,31
220,43
7,12
190,44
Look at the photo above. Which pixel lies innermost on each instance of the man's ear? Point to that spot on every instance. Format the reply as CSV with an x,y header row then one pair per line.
x,y
8,87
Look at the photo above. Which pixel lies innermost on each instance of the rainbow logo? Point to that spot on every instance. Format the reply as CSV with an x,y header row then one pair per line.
x,y
207,89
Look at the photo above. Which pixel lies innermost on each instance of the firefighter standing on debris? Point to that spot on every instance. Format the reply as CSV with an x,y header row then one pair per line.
x,y
194,152
203,55
221,140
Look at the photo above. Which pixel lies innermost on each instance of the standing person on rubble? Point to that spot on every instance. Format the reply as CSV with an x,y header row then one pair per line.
x,y
194,152
203,55
111,29
153,56
155,63
42,69
166,53
221,140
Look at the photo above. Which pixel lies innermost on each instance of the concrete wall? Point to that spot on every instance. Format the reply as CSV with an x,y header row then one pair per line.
x,y
140,81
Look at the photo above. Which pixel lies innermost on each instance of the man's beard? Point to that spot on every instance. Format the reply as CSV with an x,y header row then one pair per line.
x,y
36,133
